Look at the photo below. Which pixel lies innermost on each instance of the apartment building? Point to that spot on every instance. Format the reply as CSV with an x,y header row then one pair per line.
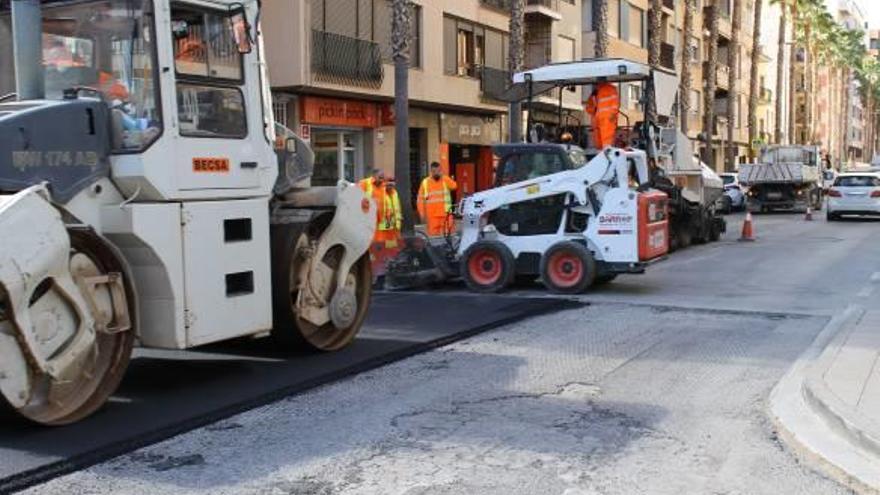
x,y
332,80
628,32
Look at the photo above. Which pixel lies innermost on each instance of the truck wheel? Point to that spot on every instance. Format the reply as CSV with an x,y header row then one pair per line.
x,y
684,237
487,267
568,268
289,328
68,401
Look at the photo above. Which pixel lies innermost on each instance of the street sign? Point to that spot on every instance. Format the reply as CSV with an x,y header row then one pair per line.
x,y
305,132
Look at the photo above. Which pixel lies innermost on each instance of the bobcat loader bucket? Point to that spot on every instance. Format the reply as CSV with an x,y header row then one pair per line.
x,y
65,321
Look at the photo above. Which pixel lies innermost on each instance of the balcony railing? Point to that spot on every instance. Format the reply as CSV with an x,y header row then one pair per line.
x,y
722,75
667,56
494,82
342,60
550,4
497,4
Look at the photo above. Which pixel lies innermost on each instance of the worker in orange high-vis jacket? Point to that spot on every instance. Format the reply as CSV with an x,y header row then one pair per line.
x,y
374,188
434,202
604,107
388,230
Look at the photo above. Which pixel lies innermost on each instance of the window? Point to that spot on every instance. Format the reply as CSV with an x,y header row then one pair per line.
x,y
107,45
857,181
467,47
636,32
694,50
204,45
209,67
634,95
695,105
614,18
209,111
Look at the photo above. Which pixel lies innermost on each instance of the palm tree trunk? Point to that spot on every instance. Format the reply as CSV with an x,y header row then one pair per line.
x,y
600,27
755,83
684,92
733,95
515,57
793,137
711,81
780,72
844,121
400,41
655,26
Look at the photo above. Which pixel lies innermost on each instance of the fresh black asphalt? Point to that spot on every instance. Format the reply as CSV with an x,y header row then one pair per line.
x,y
168,392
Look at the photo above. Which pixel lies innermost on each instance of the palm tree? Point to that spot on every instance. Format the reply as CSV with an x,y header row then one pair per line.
x,y
684,92
792,75
733,95
515,57
780,69
600,27
400,44
655,26
754,88
710,77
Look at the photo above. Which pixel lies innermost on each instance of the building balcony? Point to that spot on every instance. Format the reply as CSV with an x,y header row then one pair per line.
x,y
503,5
544,8
724,26
339,59
722,76
667,56
494,82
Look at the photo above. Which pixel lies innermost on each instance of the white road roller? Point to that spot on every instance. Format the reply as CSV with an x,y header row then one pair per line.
x,y
142,202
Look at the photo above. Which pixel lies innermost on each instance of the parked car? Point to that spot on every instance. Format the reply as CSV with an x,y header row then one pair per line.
x,y
854,194
734,198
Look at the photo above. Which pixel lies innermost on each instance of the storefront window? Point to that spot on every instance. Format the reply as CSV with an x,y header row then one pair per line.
x,y
337,156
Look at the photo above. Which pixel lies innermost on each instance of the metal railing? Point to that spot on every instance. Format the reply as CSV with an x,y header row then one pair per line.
x,y
494,82
550,4
497,4
342,60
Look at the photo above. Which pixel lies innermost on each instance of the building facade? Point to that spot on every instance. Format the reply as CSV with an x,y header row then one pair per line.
x,y
332,78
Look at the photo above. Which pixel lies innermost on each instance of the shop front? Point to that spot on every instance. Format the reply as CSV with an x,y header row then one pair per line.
x,y
339,132
466,150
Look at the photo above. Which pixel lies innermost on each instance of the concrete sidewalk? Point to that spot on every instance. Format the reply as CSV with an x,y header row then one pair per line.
x,y
828,406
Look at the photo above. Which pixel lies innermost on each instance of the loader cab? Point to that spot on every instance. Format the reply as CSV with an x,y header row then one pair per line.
x,y
522,162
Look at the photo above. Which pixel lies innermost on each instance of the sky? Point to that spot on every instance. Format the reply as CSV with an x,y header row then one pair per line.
x,y
872,12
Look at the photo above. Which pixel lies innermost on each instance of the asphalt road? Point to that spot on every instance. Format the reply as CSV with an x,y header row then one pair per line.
x,y
167,392
658,386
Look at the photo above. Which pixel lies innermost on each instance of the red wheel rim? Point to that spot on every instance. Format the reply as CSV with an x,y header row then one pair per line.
x,y
484,267
565,269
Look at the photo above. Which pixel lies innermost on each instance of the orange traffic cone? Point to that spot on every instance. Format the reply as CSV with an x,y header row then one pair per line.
x,y
809,216
747,232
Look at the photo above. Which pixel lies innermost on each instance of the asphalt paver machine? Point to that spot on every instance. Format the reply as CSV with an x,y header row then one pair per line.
x,y
146,198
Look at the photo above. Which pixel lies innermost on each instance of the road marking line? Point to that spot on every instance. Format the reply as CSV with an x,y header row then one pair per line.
x,y
866,292
875,277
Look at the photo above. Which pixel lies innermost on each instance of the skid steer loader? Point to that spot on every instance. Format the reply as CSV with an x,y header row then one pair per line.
x,y
142,202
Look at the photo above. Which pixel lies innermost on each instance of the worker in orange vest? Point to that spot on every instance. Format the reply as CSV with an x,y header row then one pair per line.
x,y
391,217
604,107
374,188
434,201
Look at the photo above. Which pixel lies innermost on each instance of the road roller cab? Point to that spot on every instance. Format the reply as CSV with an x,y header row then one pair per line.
x,y
141,199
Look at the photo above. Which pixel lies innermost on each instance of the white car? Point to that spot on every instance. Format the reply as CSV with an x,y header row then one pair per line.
x,y
854,194
734,197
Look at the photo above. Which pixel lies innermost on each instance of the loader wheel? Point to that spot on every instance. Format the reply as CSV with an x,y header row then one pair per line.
x,y
289,329
59,403
487,266
568,268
